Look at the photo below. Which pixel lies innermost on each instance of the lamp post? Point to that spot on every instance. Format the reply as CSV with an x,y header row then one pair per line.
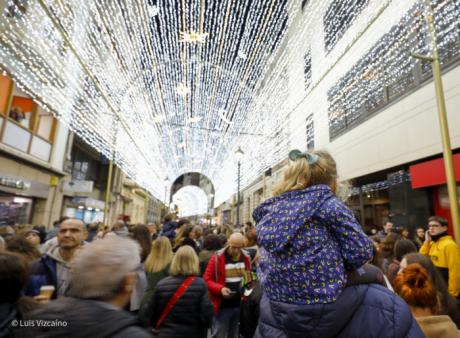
x,y
166,191
239,155
442,116
211,196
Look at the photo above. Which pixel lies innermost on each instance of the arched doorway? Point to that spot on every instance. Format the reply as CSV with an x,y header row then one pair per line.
x,y
190,191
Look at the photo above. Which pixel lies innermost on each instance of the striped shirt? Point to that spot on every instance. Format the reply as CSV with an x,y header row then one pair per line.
x,y
234,272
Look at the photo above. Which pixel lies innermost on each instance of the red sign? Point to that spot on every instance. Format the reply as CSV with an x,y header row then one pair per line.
x,y
432,173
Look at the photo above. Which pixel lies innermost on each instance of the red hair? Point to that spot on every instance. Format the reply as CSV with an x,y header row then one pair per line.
x,y
416,288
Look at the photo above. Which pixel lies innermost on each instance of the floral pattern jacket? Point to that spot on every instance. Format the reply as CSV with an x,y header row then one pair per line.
x,y
308,239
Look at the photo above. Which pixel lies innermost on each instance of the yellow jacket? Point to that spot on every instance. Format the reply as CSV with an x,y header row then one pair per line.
x,y
444,254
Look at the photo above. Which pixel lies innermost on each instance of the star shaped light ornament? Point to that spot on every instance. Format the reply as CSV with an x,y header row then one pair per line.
x,y
222,112
153,10
158,119
183,90
109,69
194,119
192,37
242,55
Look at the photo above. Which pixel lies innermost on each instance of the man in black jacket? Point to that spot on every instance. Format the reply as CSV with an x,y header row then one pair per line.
x,y
103,278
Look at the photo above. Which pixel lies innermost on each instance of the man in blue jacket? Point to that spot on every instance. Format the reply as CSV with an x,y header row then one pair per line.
x,y
53,267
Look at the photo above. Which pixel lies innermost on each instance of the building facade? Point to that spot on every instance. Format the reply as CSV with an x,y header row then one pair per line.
x,y
360,94
32,150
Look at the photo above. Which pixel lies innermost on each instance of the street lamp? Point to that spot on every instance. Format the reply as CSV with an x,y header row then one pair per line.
x,y
239,156
210,205
167,182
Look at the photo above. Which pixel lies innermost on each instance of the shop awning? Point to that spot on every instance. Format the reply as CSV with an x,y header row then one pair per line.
x,y
432,172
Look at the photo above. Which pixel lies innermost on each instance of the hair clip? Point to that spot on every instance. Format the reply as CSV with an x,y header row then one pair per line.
x,y
312,158
296,154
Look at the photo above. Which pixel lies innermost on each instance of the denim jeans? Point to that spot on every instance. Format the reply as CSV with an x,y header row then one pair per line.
x,y
226,324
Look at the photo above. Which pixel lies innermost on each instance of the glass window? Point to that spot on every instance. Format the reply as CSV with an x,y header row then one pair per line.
x,y
338,18
22,110
305,3
310,133
388,70
307,69
45,125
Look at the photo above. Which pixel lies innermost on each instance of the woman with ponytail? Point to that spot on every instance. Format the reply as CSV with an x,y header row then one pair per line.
x,y
414,285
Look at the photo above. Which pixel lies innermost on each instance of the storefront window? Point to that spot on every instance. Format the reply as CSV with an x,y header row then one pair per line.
x,y
14,210
370,207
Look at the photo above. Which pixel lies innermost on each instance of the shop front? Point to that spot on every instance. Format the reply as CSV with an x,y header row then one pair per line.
x,y
18,197
431,175
389,199
84,208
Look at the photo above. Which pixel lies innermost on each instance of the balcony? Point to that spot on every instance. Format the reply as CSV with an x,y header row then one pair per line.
x,y
24,125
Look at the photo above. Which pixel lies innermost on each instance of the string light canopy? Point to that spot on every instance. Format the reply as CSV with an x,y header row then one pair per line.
x,y
160,87
173,86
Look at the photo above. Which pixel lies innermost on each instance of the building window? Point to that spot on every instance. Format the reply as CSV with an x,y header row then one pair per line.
x,y
310,132
305,3
307,69
23,111
388,71
338,18
84,166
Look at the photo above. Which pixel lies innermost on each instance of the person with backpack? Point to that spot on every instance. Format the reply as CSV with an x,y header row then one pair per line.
x,y
180,305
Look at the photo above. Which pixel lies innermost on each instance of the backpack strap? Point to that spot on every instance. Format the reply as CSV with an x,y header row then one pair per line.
x,y
175,297
215,266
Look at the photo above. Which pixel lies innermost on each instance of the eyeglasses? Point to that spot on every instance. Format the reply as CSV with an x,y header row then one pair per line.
x,y
434,225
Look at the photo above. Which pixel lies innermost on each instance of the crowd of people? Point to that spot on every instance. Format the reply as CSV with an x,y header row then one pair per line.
x,y
306,269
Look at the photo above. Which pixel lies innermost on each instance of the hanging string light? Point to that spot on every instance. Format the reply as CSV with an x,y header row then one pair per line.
x,y
177,86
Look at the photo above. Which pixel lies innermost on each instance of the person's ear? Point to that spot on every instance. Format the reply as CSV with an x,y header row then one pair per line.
x,y
334,187
129,282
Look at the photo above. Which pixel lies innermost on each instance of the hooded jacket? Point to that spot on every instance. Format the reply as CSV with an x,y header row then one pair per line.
x,y
308,239
84,318
444,254
51,269
366,310
169,229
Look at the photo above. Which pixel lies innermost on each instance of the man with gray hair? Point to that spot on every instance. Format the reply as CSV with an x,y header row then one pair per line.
x,y
103,278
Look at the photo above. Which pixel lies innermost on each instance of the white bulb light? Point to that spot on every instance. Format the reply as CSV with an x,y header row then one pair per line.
x,y
153,10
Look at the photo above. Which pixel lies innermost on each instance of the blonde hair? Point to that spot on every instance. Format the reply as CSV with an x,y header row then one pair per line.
x,y
160,255
185,262
183,233
300,174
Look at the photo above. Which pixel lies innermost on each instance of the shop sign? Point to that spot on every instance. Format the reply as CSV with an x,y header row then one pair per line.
x,y
20,186
15,183
88,202
78,186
